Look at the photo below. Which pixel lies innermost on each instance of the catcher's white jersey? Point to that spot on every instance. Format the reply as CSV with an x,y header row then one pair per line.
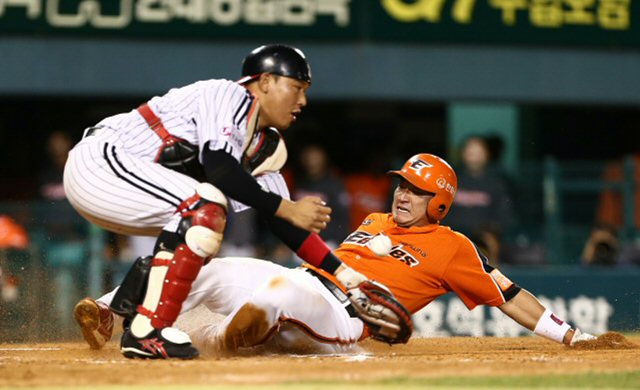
x,y
111,177
210,111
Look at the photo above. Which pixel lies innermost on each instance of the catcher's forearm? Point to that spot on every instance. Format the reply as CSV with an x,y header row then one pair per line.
x,y
224,172
316,252
309,246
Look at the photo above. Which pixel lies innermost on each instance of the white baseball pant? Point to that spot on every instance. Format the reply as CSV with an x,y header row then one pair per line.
x,y
295,312
133,195
121,193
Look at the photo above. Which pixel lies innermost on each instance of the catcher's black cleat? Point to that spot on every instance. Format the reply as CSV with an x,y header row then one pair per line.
x,y
158,345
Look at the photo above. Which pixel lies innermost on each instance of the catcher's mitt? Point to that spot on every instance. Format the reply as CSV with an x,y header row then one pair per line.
x,y
388,320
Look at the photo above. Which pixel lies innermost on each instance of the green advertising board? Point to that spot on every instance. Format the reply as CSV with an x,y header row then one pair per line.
x,y
595,300
178,19
549,22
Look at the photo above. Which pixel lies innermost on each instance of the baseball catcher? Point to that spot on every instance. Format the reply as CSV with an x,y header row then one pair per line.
x,y
422,260
166,168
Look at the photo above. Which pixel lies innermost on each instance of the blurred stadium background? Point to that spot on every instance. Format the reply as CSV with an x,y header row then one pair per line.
x,y
555,82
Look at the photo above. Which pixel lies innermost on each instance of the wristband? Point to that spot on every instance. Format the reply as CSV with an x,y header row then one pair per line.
x,y
330,263
313,250
551,327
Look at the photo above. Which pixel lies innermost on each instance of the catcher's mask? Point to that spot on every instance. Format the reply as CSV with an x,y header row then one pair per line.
x,y
432,174
282,60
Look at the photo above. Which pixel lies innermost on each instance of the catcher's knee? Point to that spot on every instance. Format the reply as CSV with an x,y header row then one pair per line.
x,y
210,193
202,227
198,237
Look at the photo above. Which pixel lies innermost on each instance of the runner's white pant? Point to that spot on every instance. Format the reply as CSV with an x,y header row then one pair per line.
x,y
302,312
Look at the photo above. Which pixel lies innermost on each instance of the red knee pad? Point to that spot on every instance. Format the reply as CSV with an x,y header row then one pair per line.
x,y
183,270
210,215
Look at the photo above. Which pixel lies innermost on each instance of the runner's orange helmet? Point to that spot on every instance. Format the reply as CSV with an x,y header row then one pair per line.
x,y
432,174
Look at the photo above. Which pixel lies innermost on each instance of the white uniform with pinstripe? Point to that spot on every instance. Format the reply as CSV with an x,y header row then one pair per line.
x,y
111,177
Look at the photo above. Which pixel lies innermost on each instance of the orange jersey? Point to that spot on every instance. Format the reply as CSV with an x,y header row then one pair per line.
x,y
424,263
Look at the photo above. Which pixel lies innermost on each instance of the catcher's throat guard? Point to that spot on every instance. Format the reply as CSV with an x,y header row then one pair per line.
x,y
267,152
133,289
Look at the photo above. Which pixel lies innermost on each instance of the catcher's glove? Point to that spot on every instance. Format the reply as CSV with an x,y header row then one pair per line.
x,y
388,320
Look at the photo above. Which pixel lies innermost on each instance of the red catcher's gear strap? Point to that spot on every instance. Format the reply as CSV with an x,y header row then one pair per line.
x,y
156,125
153,121
187,203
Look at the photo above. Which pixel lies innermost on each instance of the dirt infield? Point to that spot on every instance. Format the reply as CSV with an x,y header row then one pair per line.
x,y
73,364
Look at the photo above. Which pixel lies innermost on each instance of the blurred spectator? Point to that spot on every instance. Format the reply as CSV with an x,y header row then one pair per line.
x,y
603,246
483,209
12,236
61,231
282,255
60,221
50,179
317,178
240,234
369,189
314,176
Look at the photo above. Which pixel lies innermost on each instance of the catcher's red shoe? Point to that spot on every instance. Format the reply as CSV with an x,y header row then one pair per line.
x,y
95,320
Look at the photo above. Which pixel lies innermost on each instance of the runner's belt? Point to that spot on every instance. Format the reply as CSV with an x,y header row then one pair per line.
x,y
336,291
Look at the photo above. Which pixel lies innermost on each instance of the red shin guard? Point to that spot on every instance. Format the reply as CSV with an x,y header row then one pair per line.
x,y
183,270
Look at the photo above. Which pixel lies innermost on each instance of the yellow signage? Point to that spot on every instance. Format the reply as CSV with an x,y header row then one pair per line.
x,y
604,14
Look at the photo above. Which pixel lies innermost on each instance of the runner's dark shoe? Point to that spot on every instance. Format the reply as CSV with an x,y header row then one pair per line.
x,y
95,321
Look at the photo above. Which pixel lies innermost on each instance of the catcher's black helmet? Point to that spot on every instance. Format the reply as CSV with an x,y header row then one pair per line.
x,y
282,60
